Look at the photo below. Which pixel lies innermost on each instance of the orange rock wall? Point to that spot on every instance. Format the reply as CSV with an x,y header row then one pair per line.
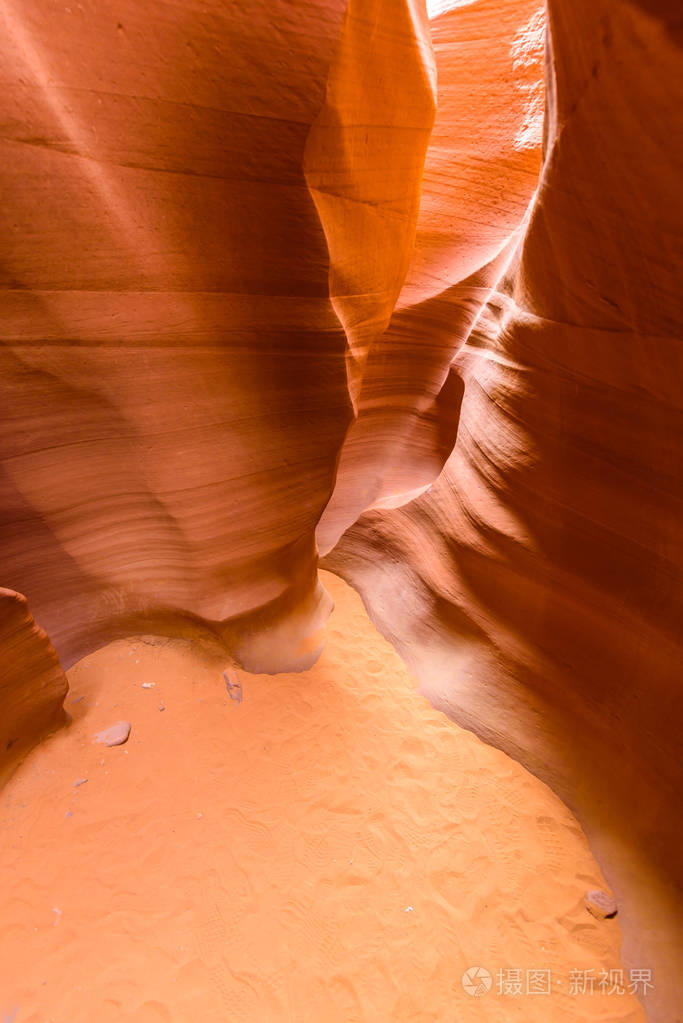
x,y
535,588
173,369
480,171
204,242
269,286
32,682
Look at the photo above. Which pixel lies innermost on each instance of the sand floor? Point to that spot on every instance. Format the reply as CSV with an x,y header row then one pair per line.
x,y
329,850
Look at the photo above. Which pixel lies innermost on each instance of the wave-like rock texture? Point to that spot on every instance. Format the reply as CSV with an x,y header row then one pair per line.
x,y
173,369
183,318
535,588
480,172
269,286
32,682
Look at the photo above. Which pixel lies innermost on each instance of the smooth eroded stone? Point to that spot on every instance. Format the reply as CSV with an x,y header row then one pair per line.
x,y
116,735
600,904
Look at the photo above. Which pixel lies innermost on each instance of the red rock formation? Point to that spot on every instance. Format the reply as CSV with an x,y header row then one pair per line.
x,y
535,588
480,172
216,349
182,302
32,682
364,161
173,368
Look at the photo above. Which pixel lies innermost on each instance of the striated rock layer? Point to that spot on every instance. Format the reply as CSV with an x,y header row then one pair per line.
x,y
480,173
32,681
173,369
535,587
178,349
281,284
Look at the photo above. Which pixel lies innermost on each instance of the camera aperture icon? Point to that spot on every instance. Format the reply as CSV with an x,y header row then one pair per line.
x,y
477,981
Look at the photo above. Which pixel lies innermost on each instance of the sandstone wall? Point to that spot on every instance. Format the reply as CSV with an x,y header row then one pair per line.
x,y
289,283
535,588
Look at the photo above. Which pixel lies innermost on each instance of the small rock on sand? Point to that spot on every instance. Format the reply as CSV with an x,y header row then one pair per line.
x,y
80,781
601,904
116,735
148,685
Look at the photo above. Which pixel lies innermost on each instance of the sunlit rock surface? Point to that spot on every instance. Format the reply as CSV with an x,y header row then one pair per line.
x,y
535,588
281,284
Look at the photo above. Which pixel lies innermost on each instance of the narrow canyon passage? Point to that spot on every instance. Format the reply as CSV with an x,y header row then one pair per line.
x,y
329,849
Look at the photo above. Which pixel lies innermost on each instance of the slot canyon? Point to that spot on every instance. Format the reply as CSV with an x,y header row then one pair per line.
x,y
341,511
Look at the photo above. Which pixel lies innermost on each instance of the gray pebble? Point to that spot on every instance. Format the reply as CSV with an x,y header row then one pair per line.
x,y
600,904
116,735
